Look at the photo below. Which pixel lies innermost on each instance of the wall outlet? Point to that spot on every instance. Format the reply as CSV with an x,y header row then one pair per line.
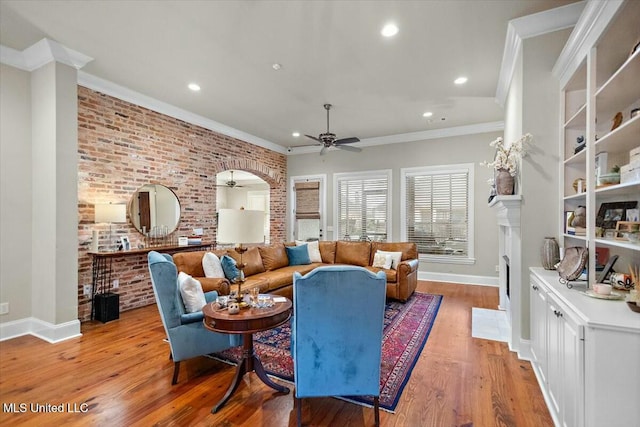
x,y
116,283
4,308
86,290
497,268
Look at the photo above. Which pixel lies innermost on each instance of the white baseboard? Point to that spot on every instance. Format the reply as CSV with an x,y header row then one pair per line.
x,y
40,329
458,278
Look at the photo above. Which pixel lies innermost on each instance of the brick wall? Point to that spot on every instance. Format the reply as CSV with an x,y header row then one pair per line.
x,y
122,146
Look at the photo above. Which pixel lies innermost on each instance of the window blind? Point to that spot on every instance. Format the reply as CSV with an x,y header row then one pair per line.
x,y
362,208
437,210
307,200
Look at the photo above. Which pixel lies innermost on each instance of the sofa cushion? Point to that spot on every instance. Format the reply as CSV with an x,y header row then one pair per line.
x,y
314,250
191,292
273,257
391,275
298,255
283,277
212,266
409,250
189,262
327,251
251,259
353,253
230,268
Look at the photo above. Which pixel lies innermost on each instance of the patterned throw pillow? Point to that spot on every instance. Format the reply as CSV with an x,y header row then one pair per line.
x,y
382,260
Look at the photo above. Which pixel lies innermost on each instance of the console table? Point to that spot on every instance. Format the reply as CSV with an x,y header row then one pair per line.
x,y
102,263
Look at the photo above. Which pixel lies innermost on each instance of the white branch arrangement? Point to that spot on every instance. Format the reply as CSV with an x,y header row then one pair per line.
x,y
509,158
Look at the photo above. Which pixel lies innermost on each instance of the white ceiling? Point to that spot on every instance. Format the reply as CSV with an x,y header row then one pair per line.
x,y
330,52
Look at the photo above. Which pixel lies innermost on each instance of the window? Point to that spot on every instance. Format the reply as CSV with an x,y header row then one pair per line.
x,y
362,206
437,212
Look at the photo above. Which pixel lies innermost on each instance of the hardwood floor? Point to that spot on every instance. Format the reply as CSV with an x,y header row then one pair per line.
x,y
119,373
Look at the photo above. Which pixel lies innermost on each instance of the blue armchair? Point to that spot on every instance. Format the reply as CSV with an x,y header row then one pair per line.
x,y
186,333
337,333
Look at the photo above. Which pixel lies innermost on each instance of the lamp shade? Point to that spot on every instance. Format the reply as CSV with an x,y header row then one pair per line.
x,y
108,212
240,226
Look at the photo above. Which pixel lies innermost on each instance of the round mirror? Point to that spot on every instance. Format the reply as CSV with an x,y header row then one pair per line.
x,y
154,205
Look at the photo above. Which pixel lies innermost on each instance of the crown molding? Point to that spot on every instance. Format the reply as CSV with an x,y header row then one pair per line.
x,y
109,88
413,136
592,23
41,53
529,26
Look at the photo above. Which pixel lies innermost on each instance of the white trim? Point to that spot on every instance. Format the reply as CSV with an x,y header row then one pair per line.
x,y
526,27
41,53
109,88
413,136
464,279
362,175
322,179
40,329
593,22
468,168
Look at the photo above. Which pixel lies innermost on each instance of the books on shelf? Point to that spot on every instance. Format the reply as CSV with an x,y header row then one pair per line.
x,y
194,240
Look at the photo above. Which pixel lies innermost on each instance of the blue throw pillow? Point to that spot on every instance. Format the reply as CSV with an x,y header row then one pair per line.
x,y
230,268
298,255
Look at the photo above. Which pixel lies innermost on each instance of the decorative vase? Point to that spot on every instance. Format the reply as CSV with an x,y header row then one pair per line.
x,y
504,182
550,253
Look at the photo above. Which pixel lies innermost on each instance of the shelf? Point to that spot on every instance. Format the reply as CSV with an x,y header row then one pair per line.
x,y
577,196
619,244
573,236
619,189
170,248
622,89
624,138
578,120
579,158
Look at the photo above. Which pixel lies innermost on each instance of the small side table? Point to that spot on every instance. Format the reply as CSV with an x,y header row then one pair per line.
x,y
247,322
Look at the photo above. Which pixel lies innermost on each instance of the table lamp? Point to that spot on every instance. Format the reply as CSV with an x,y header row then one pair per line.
x,y
110,213
238,226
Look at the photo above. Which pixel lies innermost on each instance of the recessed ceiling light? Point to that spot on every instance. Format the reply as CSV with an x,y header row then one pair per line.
x,y
295,134
389,30
427,114
194,87
276,66
460,80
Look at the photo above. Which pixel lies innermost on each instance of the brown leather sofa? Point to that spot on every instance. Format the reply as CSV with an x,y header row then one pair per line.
x,y
267,267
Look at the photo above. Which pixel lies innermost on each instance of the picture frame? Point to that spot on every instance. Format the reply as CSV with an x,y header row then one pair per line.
x,y
625,227
124,242
610,213
633,215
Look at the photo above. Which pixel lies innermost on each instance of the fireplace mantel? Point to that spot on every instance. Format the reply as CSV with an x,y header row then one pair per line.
x,y
507,210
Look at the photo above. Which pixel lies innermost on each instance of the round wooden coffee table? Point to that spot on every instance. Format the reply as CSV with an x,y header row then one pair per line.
x,y
247,322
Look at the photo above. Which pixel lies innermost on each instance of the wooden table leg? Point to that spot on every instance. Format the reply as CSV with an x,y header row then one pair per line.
x,y
248,363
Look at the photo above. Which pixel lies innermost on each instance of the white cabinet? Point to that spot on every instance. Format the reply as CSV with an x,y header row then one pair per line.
x,y
558,349
585,354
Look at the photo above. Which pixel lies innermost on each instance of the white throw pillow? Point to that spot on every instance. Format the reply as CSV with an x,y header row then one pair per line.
x,y
396,257
382,260
191,291
313,248
212,266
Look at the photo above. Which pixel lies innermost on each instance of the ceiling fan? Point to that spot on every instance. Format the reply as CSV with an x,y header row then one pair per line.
x,y
329,139
230,183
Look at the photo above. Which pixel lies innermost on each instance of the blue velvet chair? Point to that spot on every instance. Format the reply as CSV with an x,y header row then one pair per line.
x,y
337,333
186,332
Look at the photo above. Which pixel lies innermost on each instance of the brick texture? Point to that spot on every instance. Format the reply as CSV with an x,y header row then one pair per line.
x,y
122,146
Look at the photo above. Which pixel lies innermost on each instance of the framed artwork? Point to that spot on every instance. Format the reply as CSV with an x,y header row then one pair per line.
x,y
124,242
633,215
626,226
610,213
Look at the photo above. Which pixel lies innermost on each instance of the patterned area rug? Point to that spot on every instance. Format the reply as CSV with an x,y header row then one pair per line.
x,y
406,329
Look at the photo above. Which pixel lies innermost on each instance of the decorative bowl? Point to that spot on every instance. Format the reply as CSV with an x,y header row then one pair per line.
x,y
609,178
